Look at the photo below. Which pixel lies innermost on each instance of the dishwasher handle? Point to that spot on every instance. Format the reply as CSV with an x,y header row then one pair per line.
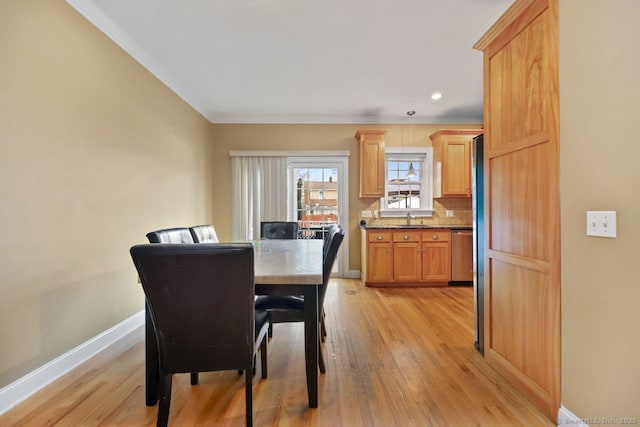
x,y
463,232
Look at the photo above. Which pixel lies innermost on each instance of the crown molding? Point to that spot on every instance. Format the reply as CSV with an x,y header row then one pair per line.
x,y
103,23
343,120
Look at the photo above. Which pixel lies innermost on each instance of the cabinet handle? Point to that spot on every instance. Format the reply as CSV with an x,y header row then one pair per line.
x,y
379,237
435,237
405,237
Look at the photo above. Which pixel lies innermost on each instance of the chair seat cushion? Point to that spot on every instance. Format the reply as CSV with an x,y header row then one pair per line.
x,y
279,302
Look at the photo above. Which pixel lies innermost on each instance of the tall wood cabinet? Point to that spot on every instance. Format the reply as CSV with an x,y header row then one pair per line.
x,y
522,200
372,162
452,162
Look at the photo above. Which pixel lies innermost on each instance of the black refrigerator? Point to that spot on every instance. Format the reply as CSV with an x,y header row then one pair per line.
x,y
477,203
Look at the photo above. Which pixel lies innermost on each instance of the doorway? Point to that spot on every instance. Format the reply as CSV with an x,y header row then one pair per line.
x,y
318,191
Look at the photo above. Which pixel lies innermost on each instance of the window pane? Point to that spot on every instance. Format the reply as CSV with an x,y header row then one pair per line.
x,y
403,191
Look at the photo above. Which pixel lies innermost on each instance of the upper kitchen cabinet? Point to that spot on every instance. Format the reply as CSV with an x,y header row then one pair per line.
x,y
372,162
452,162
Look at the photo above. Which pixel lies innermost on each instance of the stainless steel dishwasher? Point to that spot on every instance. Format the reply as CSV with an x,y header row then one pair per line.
x,y
461,255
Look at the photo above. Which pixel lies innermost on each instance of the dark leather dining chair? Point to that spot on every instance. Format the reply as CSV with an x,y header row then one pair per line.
x,y
170,235
205,233
331,229
173,235
279,230
287,308
201,300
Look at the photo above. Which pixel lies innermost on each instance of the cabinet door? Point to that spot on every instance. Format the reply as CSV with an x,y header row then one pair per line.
x,y
379,262
406,261
452,157
372,162
456,167
436,262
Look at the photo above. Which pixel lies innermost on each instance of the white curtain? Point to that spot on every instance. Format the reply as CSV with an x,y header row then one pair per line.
x,y
259,193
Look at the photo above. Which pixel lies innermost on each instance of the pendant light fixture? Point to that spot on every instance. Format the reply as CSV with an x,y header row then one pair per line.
x,y
411,173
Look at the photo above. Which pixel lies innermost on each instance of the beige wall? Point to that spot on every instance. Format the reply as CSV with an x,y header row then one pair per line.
x,y
311,137
599,152
94,153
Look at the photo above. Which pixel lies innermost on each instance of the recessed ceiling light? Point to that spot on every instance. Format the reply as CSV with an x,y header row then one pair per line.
x,y
436,95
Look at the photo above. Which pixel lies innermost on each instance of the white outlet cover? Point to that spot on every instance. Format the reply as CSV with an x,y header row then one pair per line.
x,y
602,224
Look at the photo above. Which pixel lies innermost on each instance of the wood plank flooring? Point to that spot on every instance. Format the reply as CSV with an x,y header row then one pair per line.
x,y
395,357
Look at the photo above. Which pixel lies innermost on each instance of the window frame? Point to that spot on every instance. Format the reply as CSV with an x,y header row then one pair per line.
x,y
424,157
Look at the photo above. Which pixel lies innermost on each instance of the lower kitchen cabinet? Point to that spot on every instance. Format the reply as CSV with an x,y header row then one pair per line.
x,y
379,256
408,257
436,256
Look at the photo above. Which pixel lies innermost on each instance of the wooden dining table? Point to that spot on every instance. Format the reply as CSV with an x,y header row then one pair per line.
x,y
282,267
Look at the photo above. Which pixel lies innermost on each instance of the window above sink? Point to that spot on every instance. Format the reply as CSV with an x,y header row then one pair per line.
x,y
408,184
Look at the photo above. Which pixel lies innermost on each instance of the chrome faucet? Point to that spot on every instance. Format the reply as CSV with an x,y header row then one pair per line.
x,y
409,216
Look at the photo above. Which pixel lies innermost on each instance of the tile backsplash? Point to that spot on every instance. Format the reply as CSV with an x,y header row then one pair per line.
x,y
461,208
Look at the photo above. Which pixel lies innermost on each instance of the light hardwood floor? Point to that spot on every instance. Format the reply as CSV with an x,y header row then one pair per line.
x,y
395,357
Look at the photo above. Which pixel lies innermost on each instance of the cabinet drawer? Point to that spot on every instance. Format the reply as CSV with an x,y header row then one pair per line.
x,y
379,236
436,236
406,236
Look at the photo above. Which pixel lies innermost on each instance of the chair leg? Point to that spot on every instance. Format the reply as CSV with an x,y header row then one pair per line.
x,y
263,357
248,398
321,364
165,400
253,369
270,332
194,378
323,328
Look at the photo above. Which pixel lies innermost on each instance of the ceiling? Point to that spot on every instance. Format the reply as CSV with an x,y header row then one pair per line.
x,y
303,61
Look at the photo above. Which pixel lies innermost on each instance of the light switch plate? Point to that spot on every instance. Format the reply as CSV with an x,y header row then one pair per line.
x,y
601,224
449,213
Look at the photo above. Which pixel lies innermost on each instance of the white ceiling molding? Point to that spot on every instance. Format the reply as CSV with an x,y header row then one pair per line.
x,y
94,15
342,120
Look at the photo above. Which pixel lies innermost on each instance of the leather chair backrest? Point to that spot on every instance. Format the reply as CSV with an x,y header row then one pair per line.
x,y
331,229
335,241
201,302
279,230
170,235
205,233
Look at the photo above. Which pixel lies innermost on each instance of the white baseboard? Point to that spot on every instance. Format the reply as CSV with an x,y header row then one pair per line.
x,y
566,417
24,387
352,274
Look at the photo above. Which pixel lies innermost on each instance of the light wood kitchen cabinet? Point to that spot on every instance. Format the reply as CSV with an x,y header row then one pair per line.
x,y
372,162
452,162
436,256
522,281
408,257
379,256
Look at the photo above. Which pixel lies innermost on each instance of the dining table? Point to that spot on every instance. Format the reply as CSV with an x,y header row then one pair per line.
x,y
281,267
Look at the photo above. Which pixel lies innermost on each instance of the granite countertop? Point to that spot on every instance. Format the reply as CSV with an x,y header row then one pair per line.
x,y
416,226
